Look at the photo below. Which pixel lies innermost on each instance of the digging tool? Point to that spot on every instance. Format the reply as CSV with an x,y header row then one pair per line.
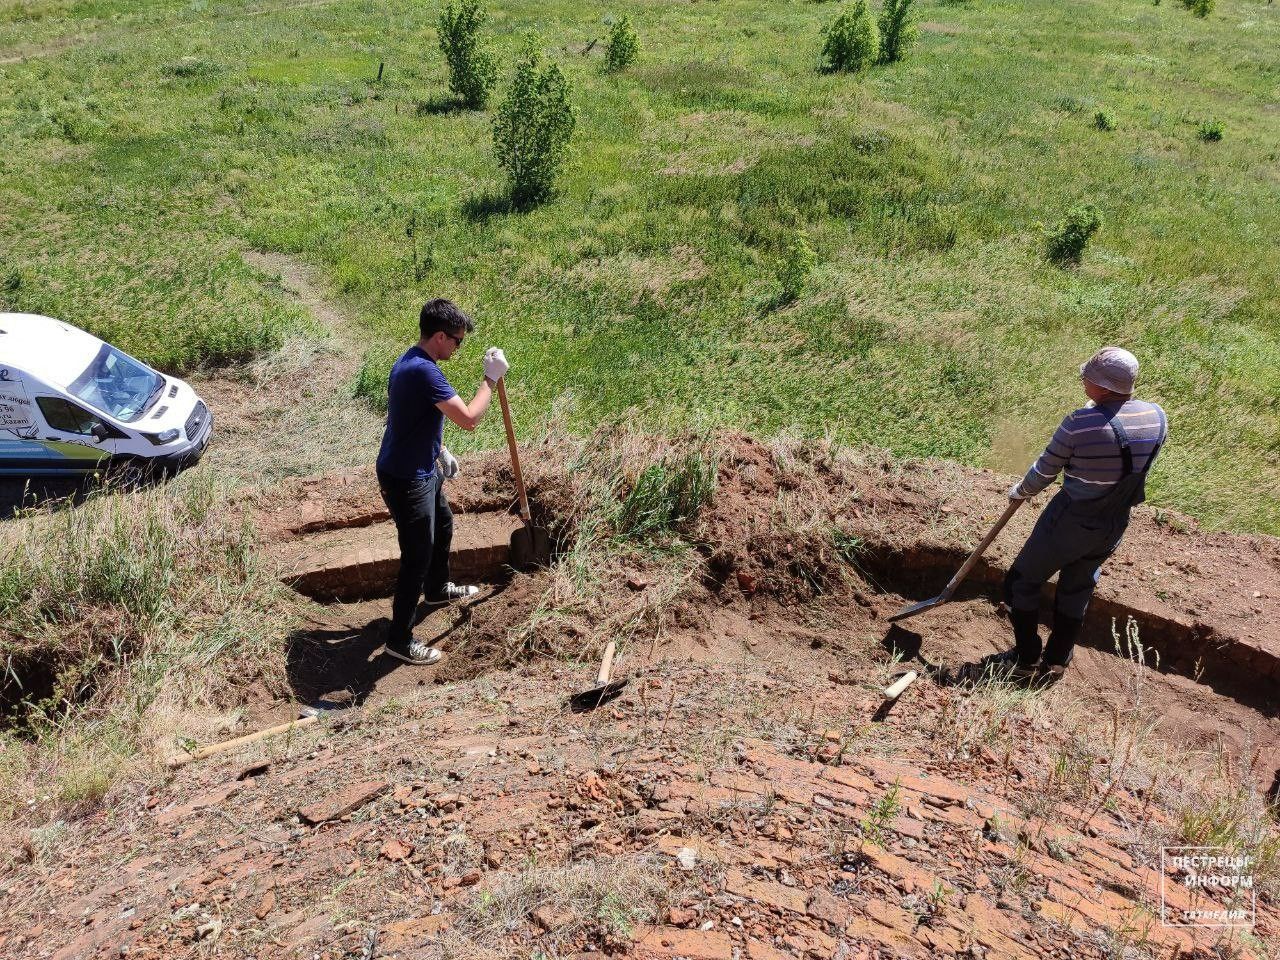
x,y
530,545
912,609
305,721
895,691
606,687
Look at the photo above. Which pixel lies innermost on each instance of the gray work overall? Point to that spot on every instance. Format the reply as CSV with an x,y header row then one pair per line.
x,y
1073,538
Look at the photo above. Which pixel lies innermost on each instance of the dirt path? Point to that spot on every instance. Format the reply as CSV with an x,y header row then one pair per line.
x,y
293,412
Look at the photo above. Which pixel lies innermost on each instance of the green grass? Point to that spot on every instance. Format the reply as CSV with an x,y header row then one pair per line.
x,y
130,607
156,140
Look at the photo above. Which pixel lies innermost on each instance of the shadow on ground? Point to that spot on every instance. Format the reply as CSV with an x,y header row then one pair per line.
x,y
338,665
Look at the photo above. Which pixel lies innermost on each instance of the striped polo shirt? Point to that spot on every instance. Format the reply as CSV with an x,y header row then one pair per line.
x,y
1084,448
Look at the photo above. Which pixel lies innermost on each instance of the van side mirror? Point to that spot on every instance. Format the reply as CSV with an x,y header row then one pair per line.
x,y
100,431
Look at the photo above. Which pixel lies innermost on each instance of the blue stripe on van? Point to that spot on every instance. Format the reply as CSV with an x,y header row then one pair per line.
x,y
26,458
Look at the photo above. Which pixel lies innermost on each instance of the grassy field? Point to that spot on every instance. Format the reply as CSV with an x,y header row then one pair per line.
x,y
146,144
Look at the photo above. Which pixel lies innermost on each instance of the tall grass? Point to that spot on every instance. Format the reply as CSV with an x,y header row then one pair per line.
x,y
666,497
128,602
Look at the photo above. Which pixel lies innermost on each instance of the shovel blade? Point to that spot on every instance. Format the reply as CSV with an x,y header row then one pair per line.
x,y
590,699
912,609
530,547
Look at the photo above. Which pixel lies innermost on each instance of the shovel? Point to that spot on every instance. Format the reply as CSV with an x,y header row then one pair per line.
x,y
530,545
912,609
606,687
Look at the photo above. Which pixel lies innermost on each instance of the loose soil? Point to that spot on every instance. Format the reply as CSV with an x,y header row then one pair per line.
x,y
725,804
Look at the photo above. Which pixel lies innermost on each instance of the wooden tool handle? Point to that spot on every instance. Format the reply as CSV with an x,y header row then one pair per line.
x,y
980,549
904,681
606,665
515,456
240,741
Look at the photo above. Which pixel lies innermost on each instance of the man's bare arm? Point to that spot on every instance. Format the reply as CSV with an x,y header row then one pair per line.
x,y
468,415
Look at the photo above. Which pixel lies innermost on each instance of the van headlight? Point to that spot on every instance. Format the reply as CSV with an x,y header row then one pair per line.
x,y
165,436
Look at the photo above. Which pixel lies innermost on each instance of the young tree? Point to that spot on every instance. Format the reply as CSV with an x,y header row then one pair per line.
x,y
532,128
853,42
623,47
1066,241
897,30
472,70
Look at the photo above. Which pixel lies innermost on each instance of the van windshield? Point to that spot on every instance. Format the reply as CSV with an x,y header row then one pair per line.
x,y
117,384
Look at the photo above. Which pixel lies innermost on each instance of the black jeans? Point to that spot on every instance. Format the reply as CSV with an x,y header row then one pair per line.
x,y
424,527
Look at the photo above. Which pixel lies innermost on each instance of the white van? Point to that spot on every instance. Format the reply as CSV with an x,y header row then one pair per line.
x,y
72,405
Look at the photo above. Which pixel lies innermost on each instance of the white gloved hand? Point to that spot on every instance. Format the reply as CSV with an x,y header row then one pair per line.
x,y
495,364
1015,492
448,464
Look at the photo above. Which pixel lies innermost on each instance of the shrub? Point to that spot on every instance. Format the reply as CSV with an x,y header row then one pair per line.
x,y
623,47
1066,242
532,129
1210,131
472,70
1201,8
897,30
794,270
1103,120
666,497
853,42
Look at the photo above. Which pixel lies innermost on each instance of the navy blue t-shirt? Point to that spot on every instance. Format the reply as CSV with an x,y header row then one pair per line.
x,y
415,427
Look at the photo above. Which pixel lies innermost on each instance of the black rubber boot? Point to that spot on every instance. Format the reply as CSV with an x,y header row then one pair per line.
x,y
1062,640
1026,636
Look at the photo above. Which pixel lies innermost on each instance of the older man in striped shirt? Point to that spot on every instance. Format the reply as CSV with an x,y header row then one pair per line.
x,y
1104,451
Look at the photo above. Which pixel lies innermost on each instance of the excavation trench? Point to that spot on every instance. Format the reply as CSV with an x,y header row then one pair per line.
x,y
360,559
1238,667
357,560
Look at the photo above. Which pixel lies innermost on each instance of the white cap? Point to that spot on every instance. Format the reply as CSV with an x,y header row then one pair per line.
x,y
1112,368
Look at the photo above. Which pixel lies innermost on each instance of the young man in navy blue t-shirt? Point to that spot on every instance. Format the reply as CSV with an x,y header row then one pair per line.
x,y
414,463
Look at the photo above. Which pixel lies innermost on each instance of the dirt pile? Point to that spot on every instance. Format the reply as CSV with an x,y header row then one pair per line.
x,y
741,798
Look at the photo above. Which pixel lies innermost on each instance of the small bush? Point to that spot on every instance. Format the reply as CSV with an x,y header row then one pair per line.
x,y
472,69
666,497
1066,241
532,129
624,46
191,68
853,41
794,270
897,30
1201,8
1103,120
1210,131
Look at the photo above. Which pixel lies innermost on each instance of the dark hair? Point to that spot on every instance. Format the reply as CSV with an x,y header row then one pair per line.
x,y
443,315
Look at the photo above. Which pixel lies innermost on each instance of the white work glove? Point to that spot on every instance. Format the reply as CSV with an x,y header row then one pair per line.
x,y
1015,492
448,464
495,364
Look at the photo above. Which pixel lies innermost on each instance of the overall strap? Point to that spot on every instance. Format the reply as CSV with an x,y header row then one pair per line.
x,y
1159,441
1126,453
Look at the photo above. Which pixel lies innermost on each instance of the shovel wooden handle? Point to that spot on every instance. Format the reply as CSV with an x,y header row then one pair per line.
x,y
226,745
901,684
525,515
980,549
606,665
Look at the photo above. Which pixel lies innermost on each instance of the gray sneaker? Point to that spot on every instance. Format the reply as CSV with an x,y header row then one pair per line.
x,y
414,652
453,591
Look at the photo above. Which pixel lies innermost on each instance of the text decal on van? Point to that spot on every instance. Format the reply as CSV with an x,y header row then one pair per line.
x,y
15,405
